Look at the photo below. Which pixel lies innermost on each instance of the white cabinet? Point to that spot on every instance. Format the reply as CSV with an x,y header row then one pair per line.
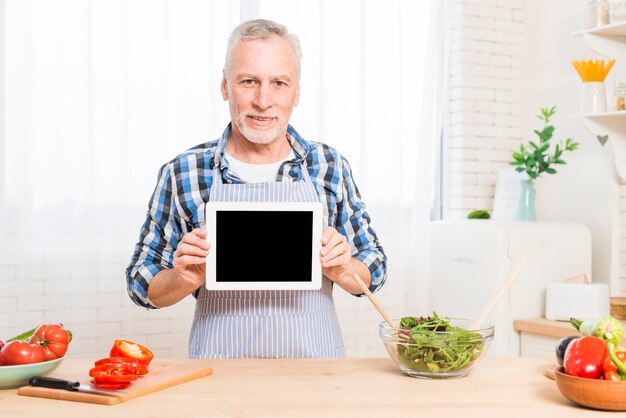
x,y
470,259
610,41
534,345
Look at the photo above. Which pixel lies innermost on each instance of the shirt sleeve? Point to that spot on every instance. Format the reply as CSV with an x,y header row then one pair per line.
x,y
354,222
158,239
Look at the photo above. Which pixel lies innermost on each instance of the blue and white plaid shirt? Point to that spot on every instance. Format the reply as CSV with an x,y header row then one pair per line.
x,y
183,187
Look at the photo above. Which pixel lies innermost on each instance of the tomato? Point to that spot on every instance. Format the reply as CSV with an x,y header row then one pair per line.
x,y
123,348
53,338
611,372
21,352
585,356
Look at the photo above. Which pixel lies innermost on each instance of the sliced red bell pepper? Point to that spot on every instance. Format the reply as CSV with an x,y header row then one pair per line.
x,y
115,360
124,348
134,365
114,373
112,386
113,379
585,356
611,372
112,370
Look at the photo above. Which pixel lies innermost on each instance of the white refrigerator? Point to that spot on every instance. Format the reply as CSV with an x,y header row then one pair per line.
x,y
470,259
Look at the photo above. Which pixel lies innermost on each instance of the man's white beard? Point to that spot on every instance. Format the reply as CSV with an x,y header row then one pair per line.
x,y
263,137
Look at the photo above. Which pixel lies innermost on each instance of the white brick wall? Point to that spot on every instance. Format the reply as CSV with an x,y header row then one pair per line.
x,y
90,299
485,100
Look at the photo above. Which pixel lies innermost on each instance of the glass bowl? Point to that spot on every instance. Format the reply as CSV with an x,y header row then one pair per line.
x,y
16,376
437,354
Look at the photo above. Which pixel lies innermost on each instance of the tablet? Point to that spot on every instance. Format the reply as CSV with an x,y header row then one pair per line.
x,y
264,245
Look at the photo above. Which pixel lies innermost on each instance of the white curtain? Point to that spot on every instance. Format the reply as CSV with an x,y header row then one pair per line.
x,y
98,94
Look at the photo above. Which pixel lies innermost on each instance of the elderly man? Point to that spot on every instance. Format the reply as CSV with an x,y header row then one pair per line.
x,y
260,150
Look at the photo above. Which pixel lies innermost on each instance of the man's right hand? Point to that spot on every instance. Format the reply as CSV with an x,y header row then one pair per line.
x,y
190,258
172,285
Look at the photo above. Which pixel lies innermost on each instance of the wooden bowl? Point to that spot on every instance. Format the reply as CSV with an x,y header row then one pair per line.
x,y
592,393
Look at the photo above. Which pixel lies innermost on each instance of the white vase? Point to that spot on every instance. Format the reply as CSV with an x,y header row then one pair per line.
x,y
594,97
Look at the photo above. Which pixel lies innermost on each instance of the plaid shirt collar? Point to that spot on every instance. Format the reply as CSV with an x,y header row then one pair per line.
x,y
301,147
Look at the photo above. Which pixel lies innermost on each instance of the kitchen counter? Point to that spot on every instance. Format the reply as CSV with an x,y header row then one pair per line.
x,y
538,337
542,326
511,387
548,328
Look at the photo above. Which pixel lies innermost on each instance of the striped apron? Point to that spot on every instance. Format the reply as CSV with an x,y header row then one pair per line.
x,y
265,323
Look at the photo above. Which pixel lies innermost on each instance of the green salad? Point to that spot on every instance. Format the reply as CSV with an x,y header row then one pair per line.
x,y
427,349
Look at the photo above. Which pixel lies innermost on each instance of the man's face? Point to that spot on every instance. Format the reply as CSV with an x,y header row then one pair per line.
x,y
262,88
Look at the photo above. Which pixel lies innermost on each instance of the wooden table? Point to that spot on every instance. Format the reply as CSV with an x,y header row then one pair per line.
x,y
499,387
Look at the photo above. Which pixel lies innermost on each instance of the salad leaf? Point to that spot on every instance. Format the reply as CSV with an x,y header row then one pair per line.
x,y
434,345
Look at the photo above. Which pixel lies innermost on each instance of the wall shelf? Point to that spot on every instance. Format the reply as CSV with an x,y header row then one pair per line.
x,y
617,114
614,29
609,41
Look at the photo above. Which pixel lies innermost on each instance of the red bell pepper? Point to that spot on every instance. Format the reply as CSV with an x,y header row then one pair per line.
x,y
611,371
123,348
116,372
585,357
130,363
127,360
112,382
113,375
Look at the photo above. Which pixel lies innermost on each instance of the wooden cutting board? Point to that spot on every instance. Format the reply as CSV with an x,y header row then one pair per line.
x,y
162,374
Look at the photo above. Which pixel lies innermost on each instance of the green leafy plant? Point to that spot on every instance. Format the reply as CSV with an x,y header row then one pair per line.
x,y
478,214
536,158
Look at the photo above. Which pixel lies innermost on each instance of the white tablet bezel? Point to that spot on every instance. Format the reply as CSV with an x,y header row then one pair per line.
x,y
317,225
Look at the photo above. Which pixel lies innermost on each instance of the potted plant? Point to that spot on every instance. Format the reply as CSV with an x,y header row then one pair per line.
x,y
536,158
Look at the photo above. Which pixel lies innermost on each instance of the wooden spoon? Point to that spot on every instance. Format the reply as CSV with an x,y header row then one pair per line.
x,y
374,301
507,283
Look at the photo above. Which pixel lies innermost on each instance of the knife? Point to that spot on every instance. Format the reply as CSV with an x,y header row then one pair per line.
x,y
54,383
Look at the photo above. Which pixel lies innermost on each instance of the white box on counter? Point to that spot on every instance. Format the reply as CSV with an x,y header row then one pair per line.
x,y
578,300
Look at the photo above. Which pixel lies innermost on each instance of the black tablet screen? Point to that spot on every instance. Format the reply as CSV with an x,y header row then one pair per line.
x,y
263,246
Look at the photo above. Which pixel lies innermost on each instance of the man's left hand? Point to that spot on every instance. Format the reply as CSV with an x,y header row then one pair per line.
x,y
335,250
339,265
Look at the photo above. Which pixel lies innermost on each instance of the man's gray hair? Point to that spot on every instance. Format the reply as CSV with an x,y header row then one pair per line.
x,y
261,29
